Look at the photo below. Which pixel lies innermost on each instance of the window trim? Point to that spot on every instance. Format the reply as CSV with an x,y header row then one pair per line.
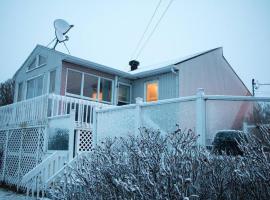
x,y
34,77
36,60
49,80
82,84
145,88
22,92
130,92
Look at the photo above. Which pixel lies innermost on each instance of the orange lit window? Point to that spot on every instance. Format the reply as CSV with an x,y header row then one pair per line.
x,y
152,91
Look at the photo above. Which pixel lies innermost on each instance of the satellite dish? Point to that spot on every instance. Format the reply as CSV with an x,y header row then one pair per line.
x,y
62,26
61,29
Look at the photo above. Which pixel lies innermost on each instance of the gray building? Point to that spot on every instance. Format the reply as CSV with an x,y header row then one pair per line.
x,y
49,71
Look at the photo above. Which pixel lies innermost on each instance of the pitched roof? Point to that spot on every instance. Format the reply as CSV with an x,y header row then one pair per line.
x,y
139,73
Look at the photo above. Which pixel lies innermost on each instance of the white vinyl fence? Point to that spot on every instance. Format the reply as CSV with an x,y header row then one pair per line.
x,y
205,114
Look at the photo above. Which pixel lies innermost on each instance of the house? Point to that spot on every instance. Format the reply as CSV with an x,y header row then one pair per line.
x,y
64,105
49,71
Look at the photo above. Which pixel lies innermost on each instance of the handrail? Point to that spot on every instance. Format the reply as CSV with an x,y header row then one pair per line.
x,y
34,172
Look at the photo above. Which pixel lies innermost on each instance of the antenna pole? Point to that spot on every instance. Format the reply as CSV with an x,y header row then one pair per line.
x,y
55,44
66,47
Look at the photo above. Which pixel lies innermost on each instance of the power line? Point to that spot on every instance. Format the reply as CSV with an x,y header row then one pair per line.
x,y
146,29
163,14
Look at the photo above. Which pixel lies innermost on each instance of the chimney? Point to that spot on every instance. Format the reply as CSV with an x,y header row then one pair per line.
x,y
134,64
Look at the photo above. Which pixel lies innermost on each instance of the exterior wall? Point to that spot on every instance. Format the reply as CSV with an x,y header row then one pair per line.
x,y
53,62
213,73
168,86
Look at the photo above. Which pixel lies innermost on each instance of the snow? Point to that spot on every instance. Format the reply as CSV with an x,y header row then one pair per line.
x,y
9,195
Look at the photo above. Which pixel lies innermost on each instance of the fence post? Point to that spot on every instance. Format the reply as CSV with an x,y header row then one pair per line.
x,y
94,132
71,126
138,122
200,117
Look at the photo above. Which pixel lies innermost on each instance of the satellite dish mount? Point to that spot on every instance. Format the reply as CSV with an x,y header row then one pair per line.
x,y
61,29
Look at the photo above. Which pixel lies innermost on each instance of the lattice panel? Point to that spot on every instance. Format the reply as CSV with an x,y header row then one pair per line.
x,y
14,140
85,138
25,150
2,150
11,169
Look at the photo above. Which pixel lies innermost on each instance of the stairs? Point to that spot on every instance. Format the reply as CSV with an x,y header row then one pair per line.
x,y
35,181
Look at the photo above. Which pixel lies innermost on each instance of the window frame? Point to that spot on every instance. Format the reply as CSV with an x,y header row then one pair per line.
x,y
145,89
36,61
49,80
82,85
34,77
18,90
130,92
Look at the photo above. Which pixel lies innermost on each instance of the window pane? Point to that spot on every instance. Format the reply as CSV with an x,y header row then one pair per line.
x,y
32,65
39,86
30,89
20,92
41,60
124,93
74,81
152,91
52,82
105,93
90,86
58,139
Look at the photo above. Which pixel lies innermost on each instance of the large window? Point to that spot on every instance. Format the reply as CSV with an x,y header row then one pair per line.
x,y
87,85
151,91
52,81
34,87
74,82
123,94
20,92
90,86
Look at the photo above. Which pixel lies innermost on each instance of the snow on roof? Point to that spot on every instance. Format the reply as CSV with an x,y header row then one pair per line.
x,y
165,66
139,73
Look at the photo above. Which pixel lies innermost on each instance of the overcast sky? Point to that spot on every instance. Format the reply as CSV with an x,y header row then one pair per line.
x,y
107,32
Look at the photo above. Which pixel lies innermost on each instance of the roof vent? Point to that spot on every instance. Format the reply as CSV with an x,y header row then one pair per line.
x,y
134,64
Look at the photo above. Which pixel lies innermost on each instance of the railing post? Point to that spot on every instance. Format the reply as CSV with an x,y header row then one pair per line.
x,y
138,122
71,125
94,130
200,117
245,127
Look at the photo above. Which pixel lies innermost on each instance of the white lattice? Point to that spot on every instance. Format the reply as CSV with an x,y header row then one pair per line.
x,y
85,138
3,135
24,152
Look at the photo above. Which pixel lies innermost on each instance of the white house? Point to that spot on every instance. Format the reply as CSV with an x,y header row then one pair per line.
x,y
65,105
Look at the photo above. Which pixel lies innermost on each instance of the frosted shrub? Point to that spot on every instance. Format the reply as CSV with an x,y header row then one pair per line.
x,y
148,166
154,166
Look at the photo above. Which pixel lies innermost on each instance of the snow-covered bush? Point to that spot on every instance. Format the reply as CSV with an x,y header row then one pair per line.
x,y
154,166
228,141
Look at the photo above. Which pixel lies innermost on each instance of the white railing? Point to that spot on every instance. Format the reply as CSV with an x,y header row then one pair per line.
x,y
28,111
62,105
37,110
205,114
35,180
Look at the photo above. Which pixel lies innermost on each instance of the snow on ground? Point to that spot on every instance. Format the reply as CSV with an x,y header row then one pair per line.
x,y
9,195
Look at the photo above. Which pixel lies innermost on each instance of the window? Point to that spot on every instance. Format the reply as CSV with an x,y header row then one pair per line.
x,y
105,93
52,81
38,61
123,94
34,87
90,86
74,81
20,92
152,91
